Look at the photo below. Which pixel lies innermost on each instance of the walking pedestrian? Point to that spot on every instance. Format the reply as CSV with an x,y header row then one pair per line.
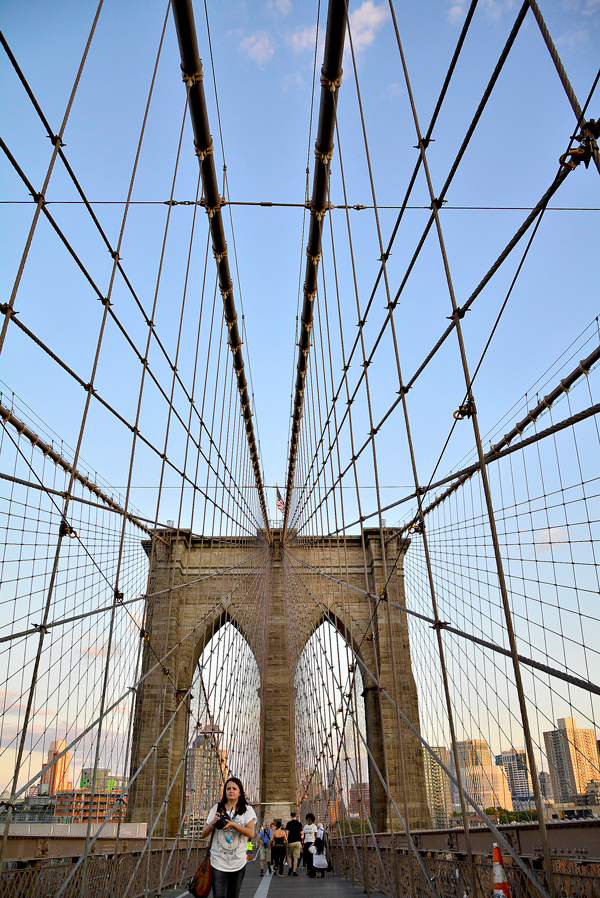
x,y
278,848
231,823
294,834
264,838
310,834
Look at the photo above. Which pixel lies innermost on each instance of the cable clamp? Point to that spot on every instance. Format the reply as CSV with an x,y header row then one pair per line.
x,y
166,672
118,596
314,259
144,635
7,310
193,78
115,255
437,203
310,295
416,528
41,628
440,625
329,84
180,694
203,153
8,805
219,256
587,146
383,596
457,315
55,140
384,257
226,293
464,411
424,143
66,530
39,198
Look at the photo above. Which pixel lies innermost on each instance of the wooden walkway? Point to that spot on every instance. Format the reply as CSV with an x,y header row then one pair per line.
x,y
301,886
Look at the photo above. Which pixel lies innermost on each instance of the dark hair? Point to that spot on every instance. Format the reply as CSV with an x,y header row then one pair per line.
x,y
310,817
241,805
293,814
319,845
278,824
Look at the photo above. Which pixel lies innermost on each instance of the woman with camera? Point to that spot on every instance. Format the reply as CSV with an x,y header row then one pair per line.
x,y
230,823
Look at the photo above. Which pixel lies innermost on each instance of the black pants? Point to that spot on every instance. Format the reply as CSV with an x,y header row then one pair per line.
x,y
227,885
277,858
308,858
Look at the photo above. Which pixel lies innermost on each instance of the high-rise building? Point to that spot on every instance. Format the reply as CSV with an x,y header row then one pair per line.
x,y
545,784
206,772
572,757
485,782
359,801
76,806
437,786
57,777
517,771
87,778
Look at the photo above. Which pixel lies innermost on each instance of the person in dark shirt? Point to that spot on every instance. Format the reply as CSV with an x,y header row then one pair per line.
x,y
294,831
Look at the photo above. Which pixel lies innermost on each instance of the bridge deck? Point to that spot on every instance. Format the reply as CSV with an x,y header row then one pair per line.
x,y
287,886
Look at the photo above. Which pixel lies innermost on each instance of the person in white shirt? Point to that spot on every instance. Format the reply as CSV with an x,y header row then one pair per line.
x,y
319,858
310,834
231,823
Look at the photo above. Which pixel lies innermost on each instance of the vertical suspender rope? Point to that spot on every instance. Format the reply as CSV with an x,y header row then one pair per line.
x,y
191,67
331,79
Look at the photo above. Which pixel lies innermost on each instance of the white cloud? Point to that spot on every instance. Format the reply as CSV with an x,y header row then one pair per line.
x,y
292,79
364,22
456,13
304,39
553,536
393,90
282,6
259,47
493,8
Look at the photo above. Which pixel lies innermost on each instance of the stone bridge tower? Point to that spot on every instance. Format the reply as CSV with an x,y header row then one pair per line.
x,y
186,600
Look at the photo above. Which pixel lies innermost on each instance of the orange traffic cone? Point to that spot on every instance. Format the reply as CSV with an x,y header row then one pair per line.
x,y
501,886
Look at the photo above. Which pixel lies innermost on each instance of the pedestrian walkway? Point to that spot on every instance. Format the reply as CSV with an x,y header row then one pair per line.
x,y
301,886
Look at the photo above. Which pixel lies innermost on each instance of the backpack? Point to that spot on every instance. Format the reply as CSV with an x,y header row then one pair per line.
x,y
264,837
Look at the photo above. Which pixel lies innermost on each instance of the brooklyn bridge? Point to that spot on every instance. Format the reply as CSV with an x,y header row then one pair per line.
x,y
300,445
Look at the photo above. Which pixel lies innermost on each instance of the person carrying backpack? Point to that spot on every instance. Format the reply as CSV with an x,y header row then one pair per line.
x,y
264,837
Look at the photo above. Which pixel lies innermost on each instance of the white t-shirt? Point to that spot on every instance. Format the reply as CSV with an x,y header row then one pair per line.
x,y
228,849
319,860
310,833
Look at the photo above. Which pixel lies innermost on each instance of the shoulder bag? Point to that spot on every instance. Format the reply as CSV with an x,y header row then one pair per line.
x,y
201,881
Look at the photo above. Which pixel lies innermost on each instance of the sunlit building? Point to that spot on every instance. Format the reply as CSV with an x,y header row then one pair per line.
x,y
572,758
57,778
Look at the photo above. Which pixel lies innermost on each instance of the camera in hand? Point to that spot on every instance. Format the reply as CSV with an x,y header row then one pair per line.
x,y
221,820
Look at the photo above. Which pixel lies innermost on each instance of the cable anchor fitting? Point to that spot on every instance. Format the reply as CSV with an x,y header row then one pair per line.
x,y
464,411
586,139
330,84
192,78
145,635
66,529
416,528
203,153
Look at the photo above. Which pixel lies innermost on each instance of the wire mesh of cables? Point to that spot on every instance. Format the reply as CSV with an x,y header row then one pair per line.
x,y
494,557
133,369
441,637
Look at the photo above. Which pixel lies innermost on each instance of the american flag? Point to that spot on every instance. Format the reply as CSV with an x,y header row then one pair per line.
x,y
280,502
